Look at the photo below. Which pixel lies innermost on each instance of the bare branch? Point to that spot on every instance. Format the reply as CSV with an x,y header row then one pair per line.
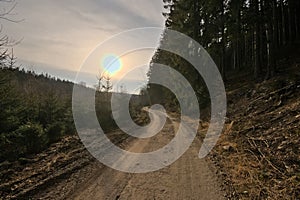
x,y
4,15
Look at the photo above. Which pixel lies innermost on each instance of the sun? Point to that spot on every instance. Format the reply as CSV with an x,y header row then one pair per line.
x,y
111,64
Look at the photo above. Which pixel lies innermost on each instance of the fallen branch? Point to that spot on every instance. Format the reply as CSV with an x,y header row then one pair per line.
x,y
270,163
272,93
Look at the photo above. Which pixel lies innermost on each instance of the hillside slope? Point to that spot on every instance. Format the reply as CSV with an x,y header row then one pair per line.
x,y
259,150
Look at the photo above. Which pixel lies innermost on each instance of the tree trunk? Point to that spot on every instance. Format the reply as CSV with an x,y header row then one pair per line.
x,y
291,19
257,56
262,43
275,31
270,51
297,19
196,20
283,31
223,41
238,48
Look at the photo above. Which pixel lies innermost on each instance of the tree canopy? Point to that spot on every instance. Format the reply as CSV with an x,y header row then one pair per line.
x,y
250,36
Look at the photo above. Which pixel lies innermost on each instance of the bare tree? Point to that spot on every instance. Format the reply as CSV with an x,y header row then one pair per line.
x,y
99,83
5,42
11,59
7,12
107,86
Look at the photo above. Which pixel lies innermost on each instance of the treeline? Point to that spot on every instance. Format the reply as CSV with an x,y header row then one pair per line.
x,y
35,111
252,36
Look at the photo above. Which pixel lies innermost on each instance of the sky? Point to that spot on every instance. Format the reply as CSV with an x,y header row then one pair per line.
x,y
57,37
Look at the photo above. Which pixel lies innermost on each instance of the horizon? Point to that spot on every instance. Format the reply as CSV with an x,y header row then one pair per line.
x,y
59,44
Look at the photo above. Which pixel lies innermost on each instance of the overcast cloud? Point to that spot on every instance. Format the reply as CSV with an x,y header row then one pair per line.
x,y
60,34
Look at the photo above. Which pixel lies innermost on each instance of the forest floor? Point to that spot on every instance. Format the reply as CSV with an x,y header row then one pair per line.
x,y
259,154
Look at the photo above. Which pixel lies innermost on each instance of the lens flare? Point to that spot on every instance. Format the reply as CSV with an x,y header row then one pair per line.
x,y
111,64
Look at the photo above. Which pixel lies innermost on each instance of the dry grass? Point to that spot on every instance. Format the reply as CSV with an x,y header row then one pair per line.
x,y
259,150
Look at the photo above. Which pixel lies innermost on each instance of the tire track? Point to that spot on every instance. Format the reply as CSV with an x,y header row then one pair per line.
x,y
187,178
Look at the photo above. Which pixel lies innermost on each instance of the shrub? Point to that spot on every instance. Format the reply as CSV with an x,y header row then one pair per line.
x,y
54,132
33,137
10,146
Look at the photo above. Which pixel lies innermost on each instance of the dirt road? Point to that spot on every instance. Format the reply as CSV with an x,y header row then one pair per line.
x,y
187,178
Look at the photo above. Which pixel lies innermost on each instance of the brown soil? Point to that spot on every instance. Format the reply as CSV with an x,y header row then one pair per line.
x,y
67,171
51,174
187,178
259,150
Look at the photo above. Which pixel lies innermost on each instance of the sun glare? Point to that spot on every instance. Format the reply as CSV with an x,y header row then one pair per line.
x,y
111,64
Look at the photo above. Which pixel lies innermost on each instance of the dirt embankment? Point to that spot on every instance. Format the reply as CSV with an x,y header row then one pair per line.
x,y
259,151
52,174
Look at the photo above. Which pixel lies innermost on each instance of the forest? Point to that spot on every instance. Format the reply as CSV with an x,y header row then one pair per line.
x,y
254,37
35,112
256,46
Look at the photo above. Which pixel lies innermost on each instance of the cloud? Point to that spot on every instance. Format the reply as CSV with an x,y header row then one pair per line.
x,y
63,33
